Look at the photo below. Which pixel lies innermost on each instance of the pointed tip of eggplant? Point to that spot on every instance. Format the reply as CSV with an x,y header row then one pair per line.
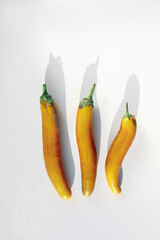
x,y
87,193
67,196
116,190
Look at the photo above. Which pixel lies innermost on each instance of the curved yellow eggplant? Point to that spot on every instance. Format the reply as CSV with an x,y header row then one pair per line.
x,y
52,145
86,144
118,150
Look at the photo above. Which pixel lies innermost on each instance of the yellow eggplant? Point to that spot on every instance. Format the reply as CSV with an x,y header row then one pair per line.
x,y
118,150
52,145
86,144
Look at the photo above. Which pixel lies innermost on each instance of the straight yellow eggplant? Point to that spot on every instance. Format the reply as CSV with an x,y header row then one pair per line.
x,y
86,144
118,150
52,145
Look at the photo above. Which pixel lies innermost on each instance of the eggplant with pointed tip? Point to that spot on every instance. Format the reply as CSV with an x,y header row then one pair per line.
x,y
86,144
118,150
52,145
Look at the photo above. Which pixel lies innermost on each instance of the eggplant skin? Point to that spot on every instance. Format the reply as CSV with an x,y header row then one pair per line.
x,y
52,149
118,150
87,149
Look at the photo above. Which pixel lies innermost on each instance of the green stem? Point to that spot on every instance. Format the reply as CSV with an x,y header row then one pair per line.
x,y
45,96
127,108
92,91
88,101
127,114
44,90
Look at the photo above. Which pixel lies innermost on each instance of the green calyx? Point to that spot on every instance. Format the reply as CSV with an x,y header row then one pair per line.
x,y
88,101
127,114
45,96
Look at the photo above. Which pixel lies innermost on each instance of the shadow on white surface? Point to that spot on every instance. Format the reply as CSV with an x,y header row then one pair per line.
x,y
55,82
132,96
90,77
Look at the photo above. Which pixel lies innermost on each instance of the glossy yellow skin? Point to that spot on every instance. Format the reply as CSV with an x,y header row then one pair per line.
x,y
87,149
52,149
118,150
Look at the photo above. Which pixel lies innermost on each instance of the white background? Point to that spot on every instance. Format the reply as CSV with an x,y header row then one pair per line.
x,y
125,35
